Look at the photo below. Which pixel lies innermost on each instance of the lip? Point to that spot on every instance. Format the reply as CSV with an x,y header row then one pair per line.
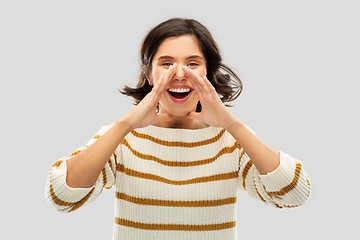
x,y
182,100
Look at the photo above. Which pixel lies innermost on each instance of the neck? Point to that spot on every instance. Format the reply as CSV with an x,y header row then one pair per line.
x,y
180,122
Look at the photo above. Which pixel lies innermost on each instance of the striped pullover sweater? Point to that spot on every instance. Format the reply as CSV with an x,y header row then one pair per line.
x,y
179,184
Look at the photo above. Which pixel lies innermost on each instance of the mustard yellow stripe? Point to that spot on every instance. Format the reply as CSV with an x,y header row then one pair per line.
x,y
177,143
104,171
57,200
78,151
75,205
238,145
293,206
109,163
178,164
104,177
97,136
174,227
111,168
82,201
211,178
277,205
291,186
115,158
168,203
56,164
242,154
262,199
309,184
288,206
245,172
60,202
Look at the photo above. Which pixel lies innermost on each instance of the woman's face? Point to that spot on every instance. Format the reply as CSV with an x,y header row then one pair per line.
x,y
180,98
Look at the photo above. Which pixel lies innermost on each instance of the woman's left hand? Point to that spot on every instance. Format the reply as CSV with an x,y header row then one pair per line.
x,y
213,112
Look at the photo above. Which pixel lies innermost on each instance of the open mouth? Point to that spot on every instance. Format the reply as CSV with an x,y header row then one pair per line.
x,y
179,93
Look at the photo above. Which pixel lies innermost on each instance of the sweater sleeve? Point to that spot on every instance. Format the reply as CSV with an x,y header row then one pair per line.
x,y
67,199
288,186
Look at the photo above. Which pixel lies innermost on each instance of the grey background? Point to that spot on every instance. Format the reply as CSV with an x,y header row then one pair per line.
x,y
61,63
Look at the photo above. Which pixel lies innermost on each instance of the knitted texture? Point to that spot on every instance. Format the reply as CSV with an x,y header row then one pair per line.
x,y
180,184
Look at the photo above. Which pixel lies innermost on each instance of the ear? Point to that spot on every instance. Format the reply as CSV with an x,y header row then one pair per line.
x,y
149,80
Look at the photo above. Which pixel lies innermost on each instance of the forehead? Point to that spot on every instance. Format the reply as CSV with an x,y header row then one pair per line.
x,y
179,47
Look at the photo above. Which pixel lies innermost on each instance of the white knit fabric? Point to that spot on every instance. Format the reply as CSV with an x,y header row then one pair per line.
x,y
180,184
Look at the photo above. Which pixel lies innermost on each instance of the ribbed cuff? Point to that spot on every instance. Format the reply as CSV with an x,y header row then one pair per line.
x,y
282,176
61,189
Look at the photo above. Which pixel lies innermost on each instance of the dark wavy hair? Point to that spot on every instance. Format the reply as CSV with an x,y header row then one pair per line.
x,y
227,84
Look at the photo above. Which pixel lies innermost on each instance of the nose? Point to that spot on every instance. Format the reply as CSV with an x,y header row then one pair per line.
x,y
179,73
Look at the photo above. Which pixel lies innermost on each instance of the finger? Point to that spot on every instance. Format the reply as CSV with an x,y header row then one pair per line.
x,y
198,89
210,86
170,72
161,84
201,82
164,79
194,83
157,86
196,86
167,77
198,80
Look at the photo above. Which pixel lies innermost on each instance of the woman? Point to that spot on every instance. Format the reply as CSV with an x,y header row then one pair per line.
x,y
178,158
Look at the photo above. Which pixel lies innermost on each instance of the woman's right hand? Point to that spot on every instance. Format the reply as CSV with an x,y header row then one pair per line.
x,y
145,113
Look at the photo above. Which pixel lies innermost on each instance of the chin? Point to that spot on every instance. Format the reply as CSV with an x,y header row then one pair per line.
x,y
180,113
178,110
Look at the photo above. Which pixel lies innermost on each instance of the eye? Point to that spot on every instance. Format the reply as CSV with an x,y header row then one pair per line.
x,y
166,64
193,64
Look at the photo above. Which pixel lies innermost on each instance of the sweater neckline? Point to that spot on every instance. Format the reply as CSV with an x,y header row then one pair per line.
x,y
180,134
184,129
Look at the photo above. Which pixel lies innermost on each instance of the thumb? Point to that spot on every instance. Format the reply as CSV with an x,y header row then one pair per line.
x,y
193,115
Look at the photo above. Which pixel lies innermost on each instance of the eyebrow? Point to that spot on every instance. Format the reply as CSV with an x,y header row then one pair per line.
x,y
189,57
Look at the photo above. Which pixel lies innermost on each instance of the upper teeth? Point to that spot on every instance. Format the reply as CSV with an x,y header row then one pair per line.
x,y
179,90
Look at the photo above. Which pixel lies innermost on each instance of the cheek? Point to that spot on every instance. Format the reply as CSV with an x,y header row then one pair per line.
x,y
156,74
201,71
